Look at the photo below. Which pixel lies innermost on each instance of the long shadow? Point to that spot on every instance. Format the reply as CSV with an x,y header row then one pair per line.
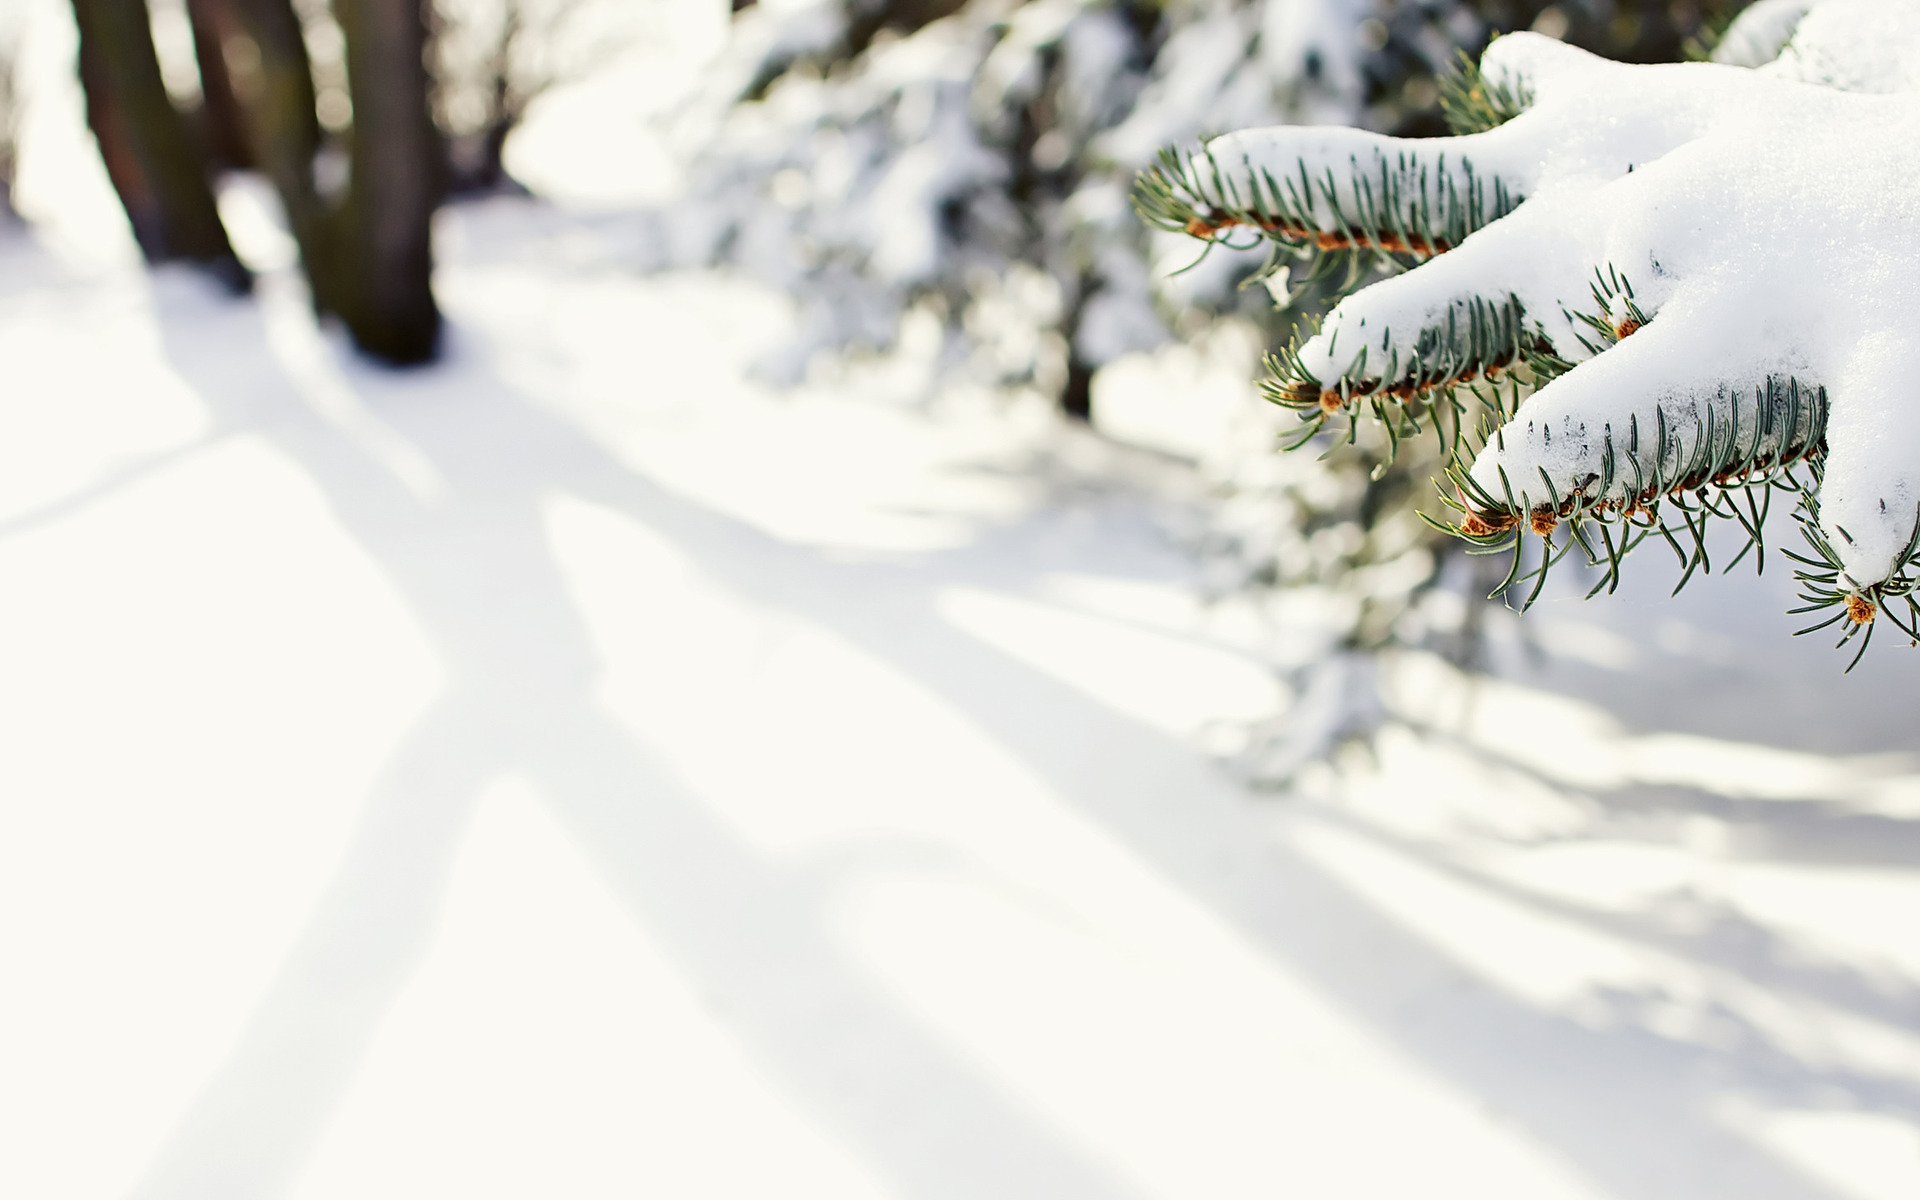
x,y
115,480
1820,833
474,567
1623,1107
1717,936
1626,1107
1748,678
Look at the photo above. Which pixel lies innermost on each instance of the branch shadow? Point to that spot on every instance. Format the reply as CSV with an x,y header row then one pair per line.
x,y
1716,935
475,568
1777,831
1622,1106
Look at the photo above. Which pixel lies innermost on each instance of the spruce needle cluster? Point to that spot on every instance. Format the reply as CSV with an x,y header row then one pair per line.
x,y
1698,456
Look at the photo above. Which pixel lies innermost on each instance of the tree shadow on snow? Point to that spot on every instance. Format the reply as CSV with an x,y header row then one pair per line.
x,y
1621,1105
474,566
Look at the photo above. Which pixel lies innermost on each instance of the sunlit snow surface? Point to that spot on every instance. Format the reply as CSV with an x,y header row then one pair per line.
x,y
576,771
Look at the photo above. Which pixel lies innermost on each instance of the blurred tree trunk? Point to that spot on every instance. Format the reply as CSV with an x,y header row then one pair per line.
x,y
1076,397
385,249
9,128
367,253
222,119
116,151
1076,393
150,157
265,56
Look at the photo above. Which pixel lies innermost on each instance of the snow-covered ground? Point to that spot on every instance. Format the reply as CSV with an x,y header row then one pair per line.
x,y
576,770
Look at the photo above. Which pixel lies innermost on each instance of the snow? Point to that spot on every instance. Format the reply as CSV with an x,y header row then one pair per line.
x,y
1758,34
581,768
1764,226
1854,45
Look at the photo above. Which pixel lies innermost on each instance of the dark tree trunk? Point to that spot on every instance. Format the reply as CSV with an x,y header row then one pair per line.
x,y
1076,398
1076,395
493,150
222,118
161,178
384,248
367,254
476,163
272,81
116,151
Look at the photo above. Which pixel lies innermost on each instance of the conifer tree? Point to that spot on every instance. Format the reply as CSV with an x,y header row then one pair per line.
x,y
972,160
1624,302
813,151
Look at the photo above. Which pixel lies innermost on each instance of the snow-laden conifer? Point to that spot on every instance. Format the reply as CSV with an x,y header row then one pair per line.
x,y
1641,298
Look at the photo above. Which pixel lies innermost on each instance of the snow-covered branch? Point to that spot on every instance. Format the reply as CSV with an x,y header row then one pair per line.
x,y
1665,292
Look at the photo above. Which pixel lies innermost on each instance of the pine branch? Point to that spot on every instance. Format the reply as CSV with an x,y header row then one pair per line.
x,y
1725,464
1827,588
1352,222
1655,441
1401,204
1387,202
1472,103
1480,340
1619,315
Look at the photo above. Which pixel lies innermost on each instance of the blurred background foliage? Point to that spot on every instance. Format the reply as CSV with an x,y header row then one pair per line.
x,y
968,163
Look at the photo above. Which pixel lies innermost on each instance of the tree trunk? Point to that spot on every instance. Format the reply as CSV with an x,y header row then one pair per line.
x,y
367,255
385,250
150,158
1076,394
116,151
272,80
1076,398
222,118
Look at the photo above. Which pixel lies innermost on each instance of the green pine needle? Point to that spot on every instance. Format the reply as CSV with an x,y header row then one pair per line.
x,y
1489,351
1396,212
1472,104
1668,483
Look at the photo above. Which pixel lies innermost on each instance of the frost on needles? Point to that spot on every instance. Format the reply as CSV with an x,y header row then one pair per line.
x,y
1632,299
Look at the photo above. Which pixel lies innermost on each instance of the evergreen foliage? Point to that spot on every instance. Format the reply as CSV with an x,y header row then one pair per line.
x,y
1472,103
998,141
1360,209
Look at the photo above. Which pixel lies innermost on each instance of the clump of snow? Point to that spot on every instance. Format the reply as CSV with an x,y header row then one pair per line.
x,y
1854,45
1767,228
1759,32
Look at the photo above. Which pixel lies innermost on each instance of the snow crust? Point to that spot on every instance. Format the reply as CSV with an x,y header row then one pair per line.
x,y
1768,226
